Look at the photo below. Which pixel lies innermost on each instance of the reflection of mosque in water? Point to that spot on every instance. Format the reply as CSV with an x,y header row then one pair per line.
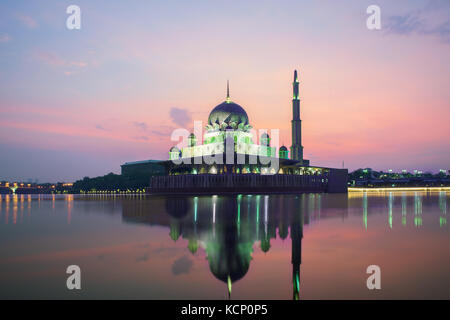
x,y
228,227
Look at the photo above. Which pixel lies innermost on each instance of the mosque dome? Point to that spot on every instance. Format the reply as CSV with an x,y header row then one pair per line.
x,y
283,148
228,113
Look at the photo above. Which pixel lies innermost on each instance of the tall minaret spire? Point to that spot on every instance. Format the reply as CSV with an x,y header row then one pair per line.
x,y
296,148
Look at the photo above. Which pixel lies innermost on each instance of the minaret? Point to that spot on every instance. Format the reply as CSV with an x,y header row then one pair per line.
x,y
296,148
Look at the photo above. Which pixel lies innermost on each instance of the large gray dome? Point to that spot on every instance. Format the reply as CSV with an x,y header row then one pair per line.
x,y
228,112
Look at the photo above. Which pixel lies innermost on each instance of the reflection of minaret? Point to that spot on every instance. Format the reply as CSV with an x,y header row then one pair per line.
x,y
296,237
296,148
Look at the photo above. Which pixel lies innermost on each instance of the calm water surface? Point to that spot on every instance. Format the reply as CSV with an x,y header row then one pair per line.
x,y
307,246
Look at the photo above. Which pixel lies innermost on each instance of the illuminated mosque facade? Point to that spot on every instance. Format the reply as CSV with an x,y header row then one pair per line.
x,y
228,124
227,159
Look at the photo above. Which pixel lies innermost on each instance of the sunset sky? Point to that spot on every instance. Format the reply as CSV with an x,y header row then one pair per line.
x,y
77,103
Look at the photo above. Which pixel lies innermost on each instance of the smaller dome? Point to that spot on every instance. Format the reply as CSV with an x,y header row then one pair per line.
x,y
265,139
192,140
283,153
174,149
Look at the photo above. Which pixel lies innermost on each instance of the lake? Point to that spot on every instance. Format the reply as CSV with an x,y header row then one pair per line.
x,y
305,246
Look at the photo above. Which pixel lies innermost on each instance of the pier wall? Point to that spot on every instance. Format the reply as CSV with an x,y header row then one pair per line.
x,y
249,183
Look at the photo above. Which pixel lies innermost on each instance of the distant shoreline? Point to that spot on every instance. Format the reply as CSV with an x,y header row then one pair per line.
x,y
363,189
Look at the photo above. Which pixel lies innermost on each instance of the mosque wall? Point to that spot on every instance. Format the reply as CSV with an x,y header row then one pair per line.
x,y
249,183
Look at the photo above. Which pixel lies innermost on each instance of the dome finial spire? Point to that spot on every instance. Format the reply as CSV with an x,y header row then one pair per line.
x,y
228,91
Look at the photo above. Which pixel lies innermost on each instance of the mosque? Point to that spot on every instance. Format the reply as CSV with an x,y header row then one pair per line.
x,y
229,160
228,125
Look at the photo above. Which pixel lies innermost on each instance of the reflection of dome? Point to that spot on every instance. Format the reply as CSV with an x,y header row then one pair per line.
x,y
265,245
228,112
230,262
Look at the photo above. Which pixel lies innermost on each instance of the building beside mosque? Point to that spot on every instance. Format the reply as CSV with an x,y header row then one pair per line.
x,y
227,158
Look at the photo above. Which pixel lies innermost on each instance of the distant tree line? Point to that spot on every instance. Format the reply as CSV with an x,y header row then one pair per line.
x,y
111,182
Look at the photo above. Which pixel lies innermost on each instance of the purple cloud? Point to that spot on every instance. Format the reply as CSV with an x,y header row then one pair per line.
x,y
180,117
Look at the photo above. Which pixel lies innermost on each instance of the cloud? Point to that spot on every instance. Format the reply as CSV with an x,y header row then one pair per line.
x,y
434,5
167,252
28,21
50,58
4,38
180,117
142,138
182,265
160,133
140,125
163,131
54,59
442,30
100,127
142,258
410,24
405,24
421,22
80,64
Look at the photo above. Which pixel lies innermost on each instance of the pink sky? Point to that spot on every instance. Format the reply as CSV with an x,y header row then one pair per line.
x,y
76,103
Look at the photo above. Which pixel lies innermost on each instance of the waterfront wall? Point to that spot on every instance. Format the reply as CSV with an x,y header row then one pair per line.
x,y
249,183
337,181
